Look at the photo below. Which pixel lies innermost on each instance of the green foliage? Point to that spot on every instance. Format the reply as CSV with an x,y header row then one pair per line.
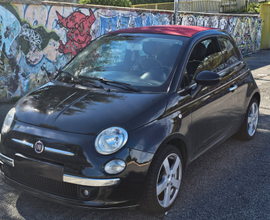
x,y
254,8
138,2
120,3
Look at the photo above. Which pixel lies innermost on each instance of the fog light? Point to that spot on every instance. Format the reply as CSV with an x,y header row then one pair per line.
x,y
115,166
86,192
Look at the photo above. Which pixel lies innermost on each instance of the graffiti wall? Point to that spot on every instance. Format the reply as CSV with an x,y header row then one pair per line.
x,y
35,40
246,31
38,39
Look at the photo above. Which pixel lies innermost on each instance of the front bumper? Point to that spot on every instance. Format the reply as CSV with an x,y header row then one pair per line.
x,y
62,200
7,160
68,166
66,177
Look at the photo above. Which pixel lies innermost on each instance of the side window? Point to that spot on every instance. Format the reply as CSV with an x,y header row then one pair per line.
x,y
228,51
205,56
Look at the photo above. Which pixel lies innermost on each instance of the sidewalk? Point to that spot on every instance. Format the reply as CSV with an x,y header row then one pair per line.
x,y
259,63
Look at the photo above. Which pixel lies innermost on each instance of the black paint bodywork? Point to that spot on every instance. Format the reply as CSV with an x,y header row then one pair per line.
x,y
69,117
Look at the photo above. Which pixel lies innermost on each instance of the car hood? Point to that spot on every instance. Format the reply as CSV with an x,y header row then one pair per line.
x,y
88,111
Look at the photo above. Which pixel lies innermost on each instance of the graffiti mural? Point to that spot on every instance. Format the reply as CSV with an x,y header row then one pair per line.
x,y
36,40
246,31
78,26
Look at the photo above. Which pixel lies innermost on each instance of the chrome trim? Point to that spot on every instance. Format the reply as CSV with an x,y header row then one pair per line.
x,y
230,67
233,88
90,182
23,142
6,160
76,179
193,85
48,149
52,150
20,155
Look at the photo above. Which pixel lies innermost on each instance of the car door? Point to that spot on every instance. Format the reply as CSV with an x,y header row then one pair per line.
x,y
211,106
238,70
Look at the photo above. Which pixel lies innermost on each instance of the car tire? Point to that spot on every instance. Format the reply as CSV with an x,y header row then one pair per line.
x,y
164,180
250,123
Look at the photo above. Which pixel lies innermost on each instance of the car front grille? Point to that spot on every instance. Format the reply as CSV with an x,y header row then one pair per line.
x,y
42,183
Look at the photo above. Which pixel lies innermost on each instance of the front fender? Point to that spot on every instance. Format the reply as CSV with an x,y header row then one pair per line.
x,y
156,134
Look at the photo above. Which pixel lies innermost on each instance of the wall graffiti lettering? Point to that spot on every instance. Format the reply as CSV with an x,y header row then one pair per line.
x,y
246,31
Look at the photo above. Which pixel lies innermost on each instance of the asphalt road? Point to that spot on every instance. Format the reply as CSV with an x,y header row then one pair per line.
x,y
231,181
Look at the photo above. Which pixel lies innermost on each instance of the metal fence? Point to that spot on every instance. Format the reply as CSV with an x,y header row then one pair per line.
x,y
200,6
228,5
193,6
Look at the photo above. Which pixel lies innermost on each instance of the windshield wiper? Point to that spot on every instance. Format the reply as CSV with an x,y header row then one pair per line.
x,y
106,81
74,79
126,85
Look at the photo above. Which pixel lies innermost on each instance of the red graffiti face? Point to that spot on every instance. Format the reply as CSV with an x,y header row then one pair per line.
x,y
78,25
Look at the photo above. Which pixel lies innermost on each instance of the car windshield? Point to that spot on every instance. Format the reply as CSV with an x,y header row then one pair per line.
x,y
140,60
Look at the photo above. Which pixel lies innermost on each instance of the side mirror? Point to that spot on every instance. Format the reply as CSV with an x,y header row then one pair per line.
x,y
207,78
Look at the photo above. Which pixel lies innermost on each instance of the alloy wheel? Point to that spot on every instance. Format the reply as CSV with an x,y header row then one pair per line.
x,y
169,180
253,116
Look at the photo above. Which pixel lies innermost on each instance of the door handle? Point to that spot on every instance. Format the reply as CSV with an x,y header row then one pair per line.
x,y
233,88
236,68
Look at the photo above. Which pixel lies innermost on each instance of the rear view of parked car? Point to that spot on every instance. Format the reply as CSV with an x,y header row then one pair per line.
x,y
123,119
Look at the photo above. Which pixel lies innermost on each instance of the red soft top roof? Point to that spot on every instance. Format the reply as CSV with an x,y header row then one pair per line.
x,y
182,30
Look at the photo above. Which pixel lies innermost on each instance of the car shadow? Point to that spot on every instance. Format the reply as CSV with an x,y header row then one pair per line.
x,y
31,207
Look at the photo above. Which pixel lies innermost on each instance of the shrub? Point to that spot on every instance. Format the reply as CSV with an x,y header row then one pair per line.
x,y
254,8
121,3
138,2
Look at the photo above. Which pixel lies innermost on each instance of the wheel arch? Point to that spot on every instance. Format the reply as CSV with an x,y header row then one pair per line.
x,y
257,96
179,142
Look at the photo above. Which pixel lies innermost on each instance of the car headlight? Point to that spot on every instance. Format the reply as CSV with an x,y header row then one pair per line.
x,y
8,121
111,140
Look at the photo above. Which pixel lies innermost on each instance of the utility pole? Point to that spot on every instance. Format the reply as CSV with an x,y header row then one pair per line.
x,y
175,11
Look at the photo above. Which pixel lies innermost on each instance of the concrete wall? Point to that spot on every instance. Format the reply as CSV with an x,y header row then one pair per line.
x,y
35,36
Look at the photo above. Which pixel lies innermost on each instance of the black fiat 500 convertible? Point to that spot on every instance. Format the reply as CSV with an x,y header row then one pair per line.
x,y
120,122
